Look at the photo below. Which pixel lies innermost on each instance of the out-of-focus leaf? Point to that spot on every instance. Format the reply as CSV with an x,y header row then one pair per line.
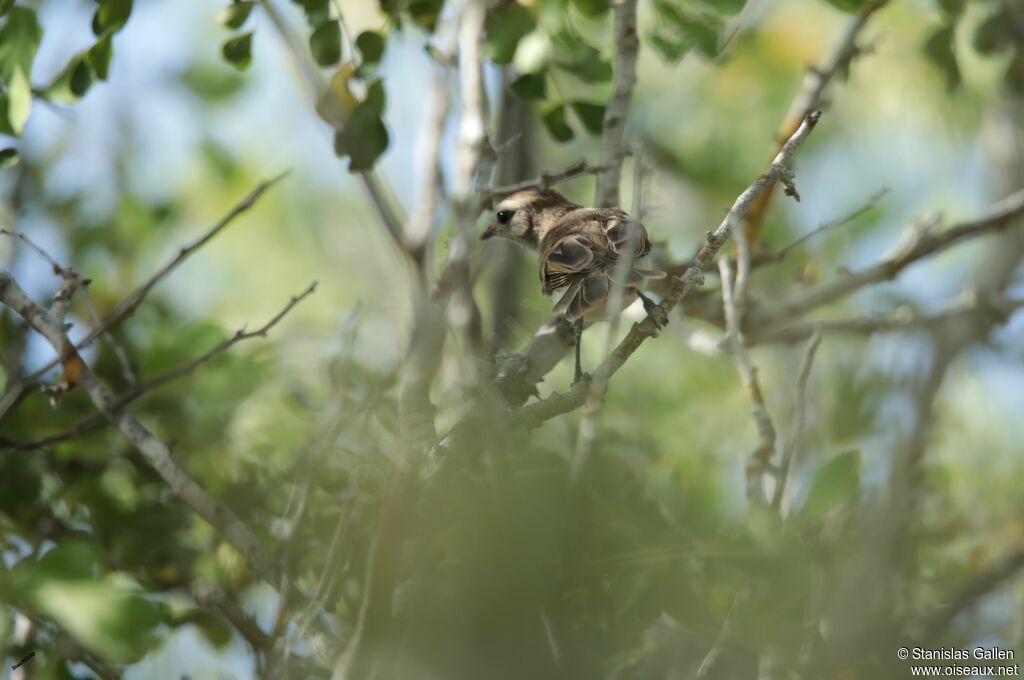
x,y
99,56
325,43
939,48
530,86
235,14
317,11
375,97
682,28
505,28
591,8
574,55
424,12
212,84
81,78
19,39
9,157
110,16
336,103
836,483
591,115
16,103
952,7
5,6
238,51
363,138
993,34
371,46
554,121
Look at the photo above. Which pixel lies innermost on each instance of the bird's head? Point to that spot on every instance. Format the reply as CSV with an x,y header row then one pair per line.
x,y
526,215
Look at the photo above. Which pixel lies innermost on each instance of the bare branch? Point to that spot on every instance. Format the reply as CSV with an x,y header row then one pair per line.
x,y
759,458
546,180
142,388
920,244
156,452
973,590
613,148
131,302
902,319
810,98
791,449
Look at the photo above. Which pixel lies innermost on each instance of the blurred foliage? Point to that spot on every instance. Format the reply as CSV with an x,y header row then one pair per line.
x,y
508,567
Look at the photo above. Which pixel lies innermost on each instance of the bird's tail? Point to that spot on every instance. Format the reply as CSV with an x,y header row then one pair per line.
x,y
588,294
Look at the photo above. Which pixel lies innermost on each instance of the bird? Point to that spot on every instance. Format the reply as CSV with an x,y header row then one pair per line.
x,y
577,250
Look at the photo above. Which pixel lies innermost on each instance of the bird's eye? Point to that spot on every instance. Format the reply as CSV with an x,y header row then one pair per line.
x,y
504,216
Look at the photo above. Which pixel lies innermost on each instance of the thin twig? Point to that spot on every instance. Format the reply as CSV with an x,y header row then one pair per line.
x,y
156,451
920,243
546,180
758,460
791,448
140,389
131,302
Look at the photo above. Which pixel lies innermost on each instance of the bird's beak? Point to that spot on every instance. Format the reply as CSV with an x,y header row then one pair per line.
x,y
489,232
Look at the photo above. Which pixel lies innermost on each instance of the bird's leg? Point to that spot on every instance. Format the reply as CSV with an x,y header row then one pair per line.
x,y
653,310
577,330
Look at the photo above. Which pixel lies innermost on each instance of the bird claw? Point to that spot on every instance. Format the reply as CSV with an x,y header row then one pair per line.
x,y
658,315
581,378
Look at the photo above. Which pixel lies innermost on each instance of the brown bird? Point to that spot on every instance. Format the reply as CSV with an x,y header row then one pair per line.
x,y
578,249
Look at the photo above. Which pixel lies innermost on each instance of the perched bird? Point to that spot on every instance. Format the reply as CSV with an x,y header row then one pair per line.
x,y
578,249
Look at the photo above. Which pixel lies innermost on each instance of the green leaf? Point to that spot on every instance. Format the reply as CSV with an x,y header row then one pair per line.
x,y
317,11
591,115
9,157
574,55
238,51
505,28
81,78
5,6
363,139
18,102
336,103
110,16
993,35
210,83
19,40
683,28
325,43
375,97
235,14
554,121
99,56
530,86
952,7
940,49
836,483
371,46
424,12
591,8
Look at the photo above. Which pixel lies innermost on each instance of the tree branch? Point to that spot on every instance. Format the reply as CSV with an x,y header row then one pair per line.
x,y
921,243
613,149
131,302
156,452
142,388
